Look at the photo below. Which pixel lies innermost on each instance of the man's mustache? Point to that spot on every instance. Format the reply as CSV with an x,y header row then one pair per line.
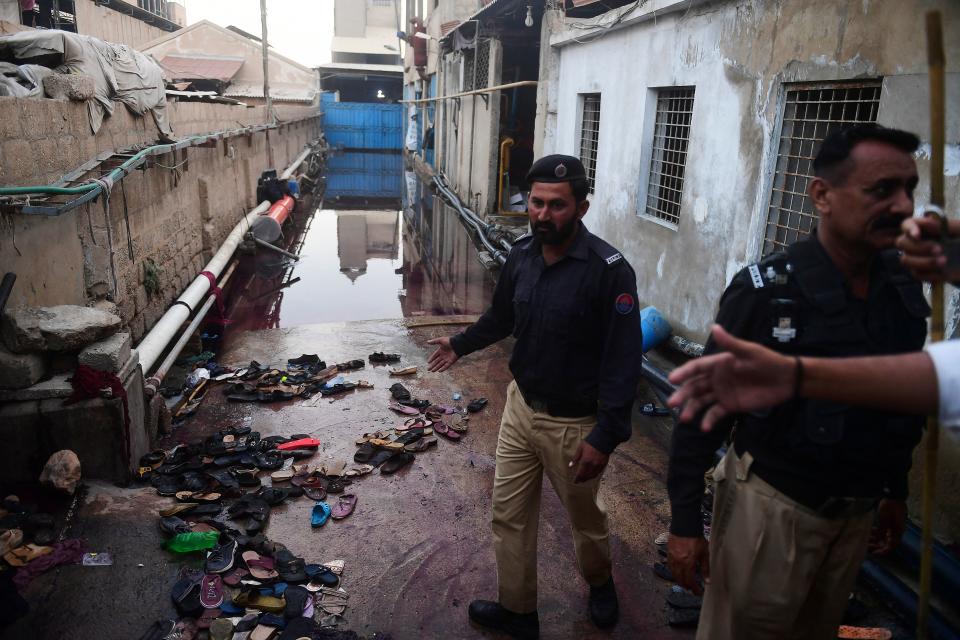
x,y
545,226
887,222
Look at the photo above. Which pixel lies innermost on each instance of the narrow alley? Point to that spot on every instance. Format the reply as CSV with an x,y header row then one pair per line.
x,y
465,319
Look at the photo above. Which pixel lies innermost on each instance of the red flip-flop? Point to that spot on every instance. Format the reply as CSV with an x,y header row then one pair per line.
x,y
444,430
302,443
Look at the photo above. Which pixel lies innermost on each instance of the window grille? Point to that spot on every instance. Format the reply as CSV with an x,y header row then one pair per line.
x,y
810,113
668,158
590,136
480,56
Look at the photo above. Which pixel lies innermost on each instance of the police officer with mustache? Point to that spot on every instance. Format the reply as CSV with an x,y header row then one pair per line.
x,y
570,300
800,485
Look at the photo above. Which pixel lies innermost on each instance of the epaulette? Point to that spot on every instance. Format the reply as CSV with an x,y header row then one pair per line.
x,y
774,269
606,252
524,239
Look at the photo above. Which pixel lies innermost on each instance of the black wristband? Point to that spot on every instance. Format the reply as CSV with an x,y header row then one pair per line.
x,y
797,377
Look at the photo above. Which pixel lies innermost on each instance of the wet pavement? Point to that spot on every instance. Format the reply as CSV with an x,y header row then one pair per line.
x,y
418,548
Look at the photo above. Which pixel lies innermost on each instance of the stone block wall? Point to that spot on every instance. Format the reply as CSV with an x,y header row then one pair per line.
x,y
173,215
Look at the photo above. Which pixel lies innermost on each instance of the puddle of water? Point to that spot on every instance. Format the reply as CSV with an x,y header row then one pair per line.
x,y
367,265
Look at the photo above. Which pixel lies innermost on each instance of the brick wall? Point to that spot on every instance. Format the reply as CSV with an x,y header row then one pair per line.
x,y
178,213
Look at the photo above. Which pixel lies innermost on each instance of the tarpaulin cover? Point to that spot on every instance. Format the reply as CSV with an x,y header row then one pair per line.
x,y
120,73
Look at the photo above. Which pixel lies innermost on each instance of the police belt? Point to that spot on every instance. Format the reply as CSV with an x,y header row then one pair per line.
x,y
811,496
558,408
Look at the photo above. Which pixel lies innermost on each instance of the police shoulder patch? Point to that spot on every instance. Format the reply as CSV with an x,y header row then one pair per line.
x,y
614,258
755,277
624,303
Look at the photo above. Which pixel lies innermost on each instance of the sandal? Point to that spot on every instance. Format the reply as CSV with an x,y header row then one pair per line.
x,y
333,601
261,567
386,444
407,411
399,392
444,430
254,600
364,453
356,472
403,371
396,463
378,357
345,505
421,445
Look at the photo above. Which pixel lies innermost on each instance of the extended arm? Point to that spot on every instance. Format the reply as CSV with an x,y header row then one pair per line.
x,y
748,377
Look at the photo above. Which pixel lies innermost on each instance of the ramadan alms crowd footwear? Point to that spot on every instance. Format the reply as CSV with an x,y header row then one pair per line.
x,y
490,614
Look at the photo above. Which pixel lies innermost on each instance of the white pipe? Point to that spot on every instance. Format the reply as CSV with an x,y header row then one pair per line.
x,y
296,163
166,327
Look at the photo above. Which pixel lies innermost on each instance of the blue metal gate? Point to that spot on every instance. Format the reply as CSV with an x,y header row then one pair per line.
x,y
358,175
363,126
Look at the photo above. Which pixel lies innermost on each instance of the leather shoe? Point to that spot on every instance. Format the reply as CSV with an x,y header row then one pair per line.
x,y
604,607
524,626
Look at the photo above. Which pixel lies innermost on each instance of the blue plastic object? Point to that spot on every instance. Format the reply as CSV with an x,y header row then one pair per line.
x,y
655,327
294,187
362,125
320,515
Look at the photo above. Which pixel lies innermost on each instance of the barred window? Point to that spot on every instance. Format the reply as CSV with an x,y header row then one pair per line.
x,y
479,57
668,158
590,136
810,113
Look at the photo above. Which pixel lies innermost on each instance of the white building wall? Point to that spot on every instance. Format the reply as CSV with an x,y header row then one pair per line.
x,y
737,54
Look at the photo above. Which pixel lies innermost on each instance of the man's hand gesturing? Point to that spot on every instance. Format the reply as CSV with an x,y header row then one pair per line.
x,y
443,358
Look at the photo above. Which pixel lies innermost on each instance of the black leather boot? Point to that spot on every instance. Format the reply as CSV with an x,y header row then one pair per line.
x,y
604,607
523,626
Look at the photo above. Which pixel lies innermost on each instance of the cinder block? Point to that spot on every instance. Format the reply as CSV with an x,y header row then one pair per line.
x,y
107,355
19,371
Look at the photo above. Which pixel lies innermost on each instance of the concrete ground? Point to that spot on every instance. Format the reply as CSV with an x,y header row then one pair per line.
x,y
418,548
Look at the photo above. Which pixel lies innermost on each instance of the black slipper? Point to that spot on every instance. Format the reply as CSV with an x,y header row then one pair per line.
x,y
399,392
396,463
172,525
290,567
295,598
476,405
298,628
269,460
305,359
378,357
381,456
351,365
364,452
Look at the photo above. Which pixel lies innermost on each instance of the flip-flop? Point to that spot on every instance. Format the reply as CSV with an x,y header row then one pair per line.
x,y
254,600
414,423
299,628
380,357
302,443
284,475
27,553
11,539
387,444
407,411
396,463
320,514
261,567
263,632
420,445
457,422
402,371
315,493
847,632
235,575
291,567
296,598
346,503
444,430
182,507
375,435
198,496
321,576
364,453
356,472
211,592
333,601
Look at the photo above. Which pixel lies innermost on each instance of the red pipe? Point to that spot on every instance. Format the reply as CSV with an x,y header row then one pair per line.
x,y
281,209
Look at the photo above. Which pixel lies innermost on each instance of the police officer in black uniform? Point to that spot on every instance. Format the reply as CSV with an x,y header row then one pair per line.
x,y
797,490
570,300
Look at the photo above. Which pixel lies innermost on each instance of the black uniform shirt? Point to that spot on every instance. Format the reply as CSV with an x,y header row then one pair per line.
x,y
807,449
577,327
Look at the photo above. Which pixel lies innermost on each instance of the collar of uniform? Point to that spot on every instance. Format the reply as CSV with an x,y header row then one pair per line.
x,y
579,248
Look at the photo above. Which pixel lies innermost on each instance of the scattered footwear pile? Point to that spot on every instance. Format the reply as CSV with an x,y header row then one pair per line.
x,y
251,587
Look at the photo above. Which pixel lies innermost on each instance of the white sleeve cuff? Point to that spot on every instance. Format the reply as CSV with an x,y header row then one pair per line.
x,y
946,362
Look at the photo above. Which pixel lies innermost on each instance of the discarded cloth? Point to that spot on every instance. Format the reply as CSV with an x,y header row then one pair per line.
x,y
67,552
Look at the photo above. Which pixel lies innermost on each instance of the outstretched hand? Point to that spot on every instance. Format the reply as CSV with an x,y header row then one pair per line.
x,y
443,358
746,377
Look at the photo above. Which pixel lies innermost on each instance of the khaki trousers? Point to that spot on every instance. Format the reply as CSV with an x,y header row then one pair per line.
x,y
777,569
531,444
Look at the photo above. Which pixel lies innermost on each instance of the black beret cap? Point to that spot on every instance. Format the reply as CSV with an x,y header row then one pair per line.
x,y
556,168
